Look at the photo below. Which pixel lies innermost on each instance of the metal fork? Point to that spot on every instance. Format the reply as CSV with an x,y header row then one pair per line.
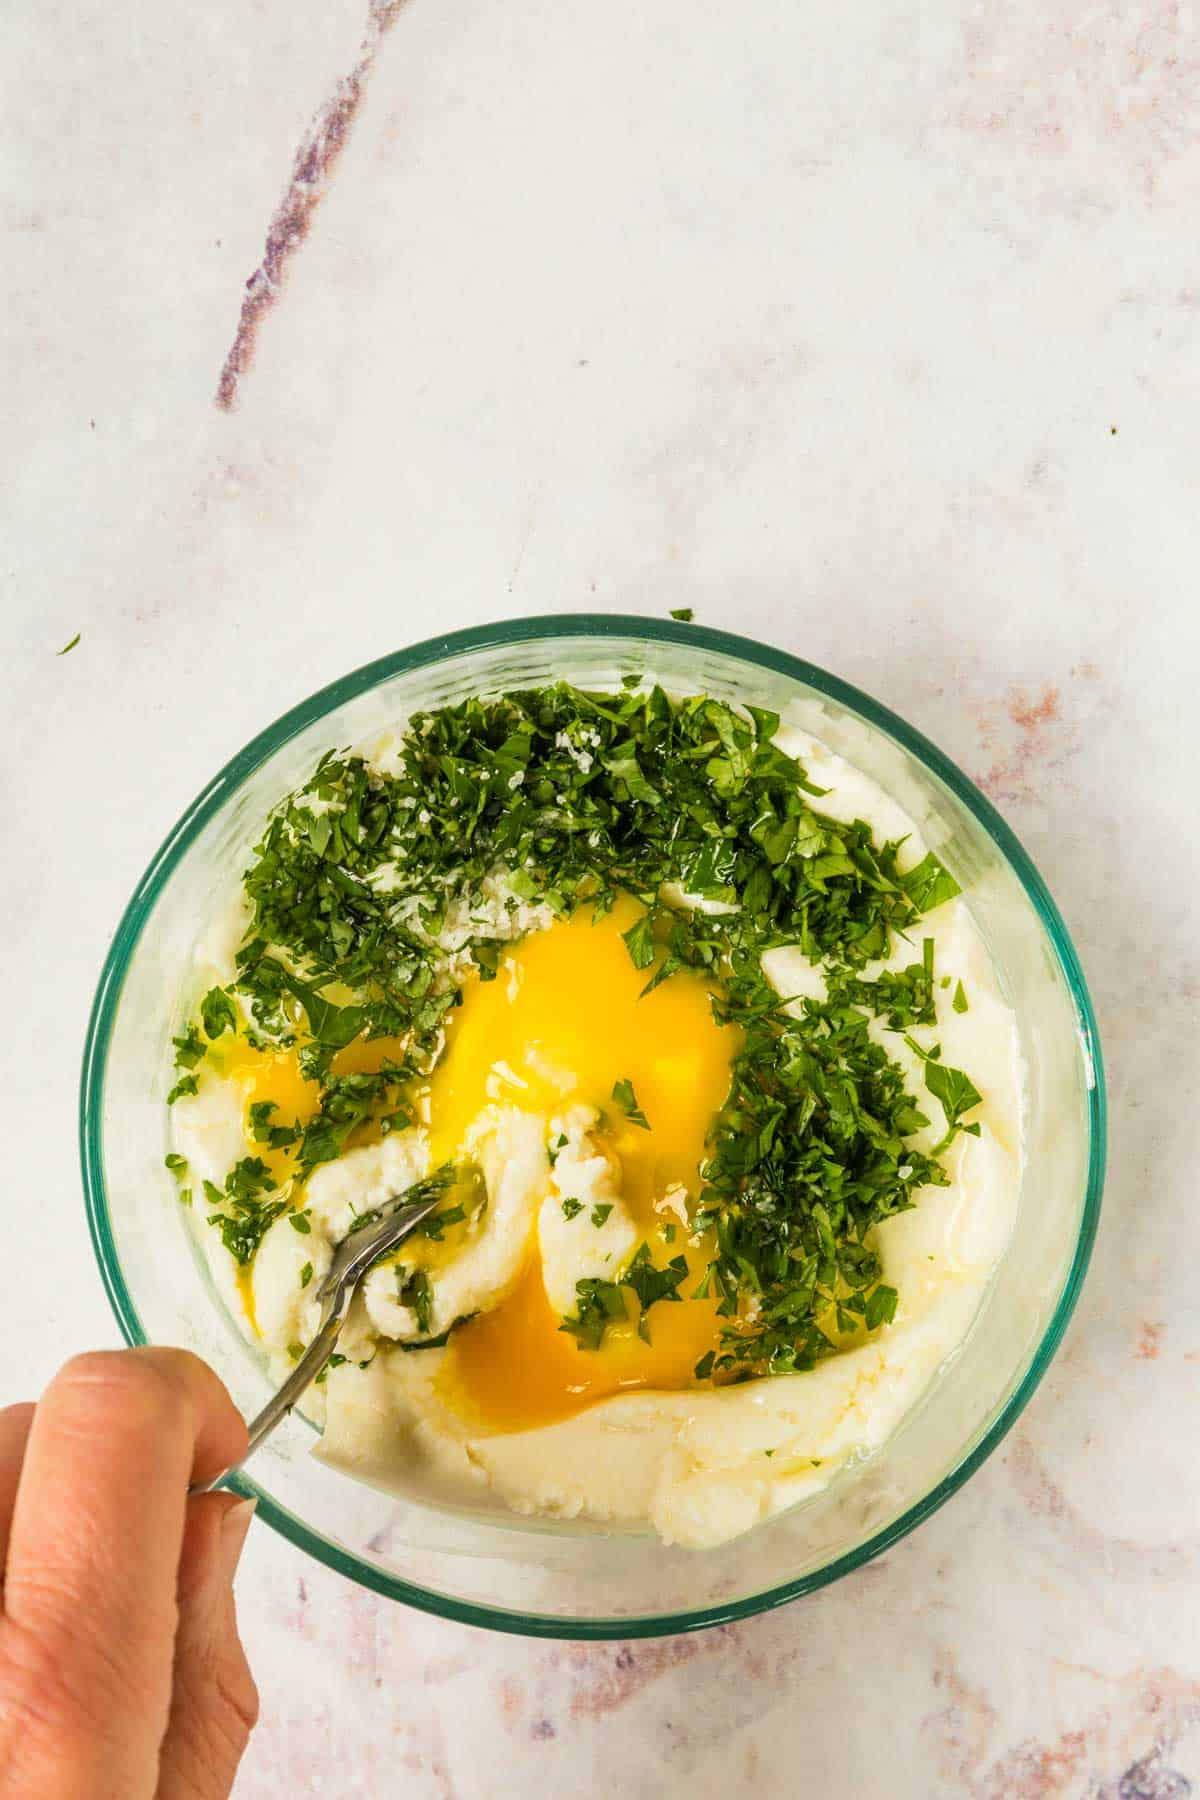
x,y
355,1255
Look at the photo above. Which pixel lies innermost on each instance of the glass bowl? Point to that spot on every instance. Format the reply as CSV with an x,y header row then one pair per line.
x,y
543,1578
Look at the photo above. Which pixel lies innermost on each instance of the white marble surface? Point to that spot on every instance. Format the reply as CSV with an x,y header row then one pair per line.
x,y
871,330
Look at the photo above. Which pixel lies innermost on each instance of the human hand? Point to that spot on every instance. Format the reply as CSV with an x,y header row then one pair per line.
x,y
122,1676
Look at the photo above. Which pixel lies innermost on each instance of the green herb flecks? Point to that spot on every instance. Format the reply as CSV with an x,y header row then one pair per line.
x,y
626,1099
218,1014
414,1290
580,796
243,1213
599,1303
955,1091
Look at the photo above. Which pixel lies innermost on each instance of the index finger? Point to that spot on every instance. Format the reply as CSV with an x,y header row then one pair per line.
x,y
94,1547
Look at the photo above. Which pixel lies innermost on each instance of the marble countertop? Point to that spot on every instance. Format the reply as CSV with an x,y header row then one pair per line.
x,y
872,331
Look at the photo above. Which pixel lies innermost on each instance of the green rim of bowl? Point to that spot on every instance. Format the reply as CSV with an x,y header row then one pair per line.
x,y
508,633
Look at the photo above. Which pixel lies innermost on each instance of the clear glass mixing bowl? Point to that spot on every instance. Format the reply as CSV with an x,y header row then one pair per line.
x,y
542,1578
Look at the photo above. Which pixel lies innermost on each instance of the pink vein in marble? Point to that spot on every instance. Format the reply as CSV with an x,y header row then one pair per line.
x,y
312,172
1026,738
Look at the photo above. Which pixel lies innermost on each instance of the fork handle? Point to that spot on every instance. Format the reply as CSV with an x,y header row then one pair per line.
x,y
282,1402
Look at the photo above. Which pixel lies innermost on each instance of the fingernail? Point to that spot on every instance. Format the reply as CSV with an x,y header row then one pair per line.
x,y
234,1527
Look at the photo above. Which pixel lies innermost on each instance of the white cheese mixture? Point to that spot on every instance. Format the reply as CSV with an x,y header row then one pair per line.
x,y
700,1466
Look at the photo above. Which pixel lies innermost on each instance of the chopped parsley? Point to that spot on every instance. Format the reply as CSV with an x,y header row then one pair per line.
x,y
571,1208
960,999
600,1213
599,1303
190,1049
413,1290
306,1274
625,1098
579,796
955,1091
277,1137
243,1213
651,1284
218,1014
683,613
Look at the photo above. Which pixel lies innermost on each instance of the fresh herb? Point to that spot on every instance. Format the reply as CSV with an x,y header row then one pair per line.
x,y
600,1213
639,941
435,1226
955,1090
901,998
217,1013
683,613
625,1098
348,1101
243,1214
958,1095
651,1284
581,796
442,1338
597,1304
69,646
881,1306
413,1289
960,999
810,1154
571,1208
276,1137
306,1274
299,1221
177,1164
929,884
465,1180
190,1049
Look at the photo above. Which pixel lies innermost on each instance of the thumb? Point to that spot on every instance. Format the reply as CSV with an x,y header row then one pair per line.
x,y
214,1702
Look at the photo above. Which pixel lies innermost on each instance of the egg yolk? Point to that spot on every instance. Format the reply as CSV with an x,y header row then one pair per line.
x,y
564,1021
274,1076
